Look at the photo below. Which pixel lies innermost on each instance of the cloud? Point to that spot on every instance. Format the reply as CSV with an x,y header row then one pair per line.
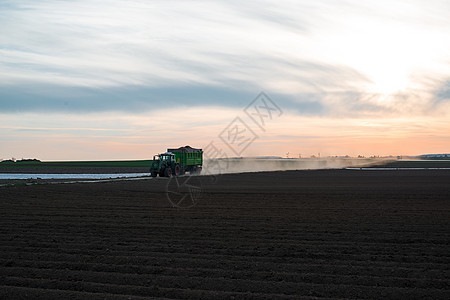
x,y
138,99
339,58
443,92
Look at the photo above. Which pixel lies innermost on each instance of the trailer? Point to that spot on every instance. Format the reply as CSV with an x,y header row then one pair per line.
x,y
177,161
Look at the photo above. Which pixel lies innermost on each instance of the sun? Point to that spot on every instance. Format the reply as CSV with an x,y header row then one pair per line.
x,y
386,80
385,53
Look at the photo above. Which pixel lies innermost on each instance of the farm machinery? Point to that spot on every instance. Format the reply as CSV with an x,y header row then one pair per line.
x,y
177,162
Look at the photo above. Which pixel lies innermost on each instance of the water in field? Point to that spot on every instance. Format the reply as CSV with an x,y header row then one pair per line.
x,y
70,176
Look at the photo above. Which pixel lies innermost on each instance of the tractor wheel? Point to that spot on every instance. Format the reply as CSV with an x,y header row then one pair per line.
x,y
177,170
168,172
154,174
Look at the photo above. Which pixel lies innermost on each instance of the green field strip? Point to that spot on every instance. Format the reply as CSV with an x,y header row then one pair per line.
x,y
58,164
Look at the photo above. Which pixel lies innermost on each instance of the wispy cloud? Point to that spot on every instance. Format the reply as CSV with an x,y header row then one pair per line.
x,y
294,48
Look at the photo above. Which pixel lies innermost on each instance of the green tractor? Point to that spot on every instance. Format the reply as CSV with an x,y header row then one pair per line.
x,y
177,162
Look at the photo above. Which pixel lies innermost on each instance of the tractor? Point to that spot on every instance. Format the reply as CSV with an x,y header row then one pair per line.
x,y
177,162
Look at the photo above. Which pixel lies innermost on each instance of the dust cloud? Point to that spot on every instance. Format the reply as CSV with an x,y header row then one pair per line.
x,y
241,165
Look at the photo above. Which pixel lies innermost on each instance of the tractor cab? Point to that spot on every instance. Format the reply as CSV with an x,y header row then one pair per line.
x,y
163,157
167,157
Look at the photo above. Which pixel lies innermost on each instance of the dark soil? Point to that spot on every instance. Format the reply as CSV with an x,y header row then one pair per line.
x,y
274,235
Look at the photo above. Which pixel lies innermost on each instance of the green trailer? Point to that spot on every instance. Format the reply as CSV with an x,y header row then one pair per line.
x,y
177,161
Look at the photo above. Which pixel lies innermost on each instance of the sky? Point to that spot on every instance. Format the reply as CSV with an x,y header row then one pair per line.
x,y
99,80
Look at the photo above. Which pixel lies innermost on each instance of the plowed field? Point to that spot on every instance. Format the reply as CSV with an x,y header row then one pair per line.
x,y
274,235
